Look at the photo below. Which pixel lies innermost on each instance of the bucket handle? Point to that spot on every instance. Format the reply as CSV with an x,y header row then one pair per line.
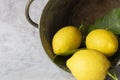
x,y
27,14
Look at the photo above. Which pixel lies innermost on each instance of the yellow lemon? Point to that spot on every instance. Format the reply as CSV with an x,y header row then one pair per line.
x,y
65,39
88,64
102,40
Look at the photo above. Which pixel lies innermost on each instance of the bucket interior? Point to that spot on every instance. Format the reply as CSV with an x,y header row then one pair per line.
x,y
60,13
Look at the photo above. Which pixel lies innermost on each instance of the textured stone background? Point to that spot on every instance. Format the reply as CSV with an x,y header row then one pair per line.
x,y
21,54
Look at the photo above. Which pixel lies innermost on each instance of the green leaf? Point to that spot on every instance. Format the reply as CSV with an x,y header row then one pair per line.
x,y
110,21
61,59
113,76
83,29
69,52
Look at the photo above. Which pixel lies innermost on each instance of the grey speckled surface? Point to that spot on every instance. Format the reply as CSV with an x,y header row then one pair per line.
x,y
21,54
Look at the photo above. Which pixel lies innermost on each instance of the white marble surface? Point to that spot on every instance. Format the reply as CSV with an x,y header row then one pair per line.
x,y
21,54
